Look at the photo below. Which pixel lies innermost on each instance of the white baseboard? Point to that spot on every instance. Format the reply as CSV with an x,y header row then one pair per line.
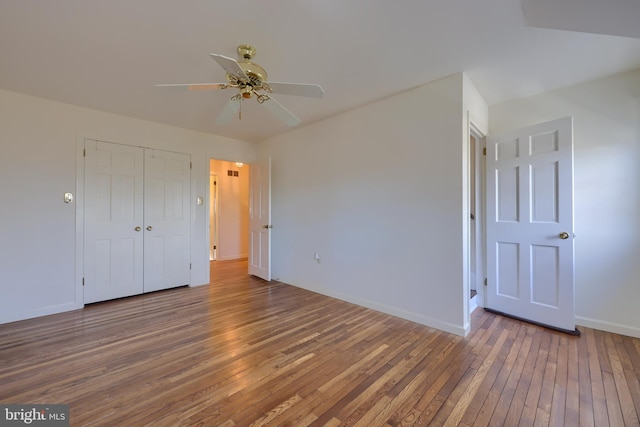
x,y
44,311
232,257
403,314
601,325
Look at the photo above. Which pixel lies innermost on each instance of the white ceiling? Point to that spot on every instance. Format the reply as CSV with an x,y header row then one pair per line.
x,y
108,55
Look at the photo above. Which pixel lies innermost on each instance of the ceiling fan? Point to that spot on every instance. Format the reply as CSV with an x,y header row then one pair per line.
x,y
251,79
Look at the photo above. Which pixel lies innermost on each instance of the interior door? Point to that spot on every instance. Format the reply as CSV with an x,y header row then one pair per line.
x,y
167,218
530,249
113,237
213,217
260,219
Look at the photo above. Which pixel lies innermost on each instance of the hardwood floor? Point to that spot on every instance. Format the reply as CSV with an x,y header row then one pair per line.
x,y
222,271
244,352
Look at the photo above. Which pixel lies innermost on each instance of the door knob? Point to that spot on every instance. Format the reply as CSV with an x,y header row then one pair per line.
x,y
138,228
149,228
564,235
267,226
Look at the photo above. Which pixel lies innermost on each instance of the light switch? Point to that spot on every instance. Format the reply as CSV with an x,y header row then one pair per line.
x,y
200,201
68,197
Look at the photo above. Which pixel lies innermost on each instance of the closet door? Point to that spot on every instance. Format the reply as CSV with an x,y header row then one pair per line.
x,y
113,236
167,186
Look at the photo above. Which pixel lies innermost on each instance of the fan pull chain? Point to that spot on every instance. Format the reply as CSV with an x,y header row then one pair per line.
x,y
240,110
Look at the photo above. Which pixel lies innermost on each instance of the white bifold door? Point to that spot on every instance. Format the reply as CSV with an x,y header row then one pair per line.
x,y
136,220
530,248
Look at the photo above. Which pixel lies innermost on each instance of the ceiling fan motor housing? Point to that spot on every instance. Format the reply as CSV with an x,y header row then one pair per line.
x,y
257,75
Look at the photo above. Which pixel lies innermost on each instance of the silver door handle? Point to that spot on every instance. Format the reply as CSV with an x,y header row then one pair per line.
x,y
563,235
267,226
138,228
149,228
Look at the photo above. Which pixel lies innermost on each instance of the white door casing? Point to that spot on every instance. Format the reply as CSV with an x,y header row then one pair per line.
x,y
167,180
260,219
530,259
113,236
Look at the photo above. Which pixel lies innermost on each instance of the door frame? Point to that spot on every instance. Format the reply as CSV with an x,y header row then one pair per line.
x,y
79,201
480,238
480,214
211,173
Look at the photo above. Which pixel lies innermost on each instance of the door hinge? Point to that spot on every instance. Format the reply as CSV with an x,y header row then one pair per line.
x,y
484,151
190,165
485,281
189,266
84,152
83,281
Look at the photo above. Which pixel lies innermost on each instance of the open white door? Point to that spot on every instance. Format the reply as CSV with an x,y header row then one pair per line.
x,y
530,254
260,219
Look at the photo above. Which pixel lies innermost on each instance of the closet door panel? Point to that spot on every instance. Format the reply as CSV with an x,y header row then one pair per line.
x,y
113,238
167,220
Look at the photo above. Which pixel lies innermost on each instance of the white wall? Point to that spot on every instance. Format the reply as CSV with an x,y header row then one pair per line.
x,y
233,210
378,193
38,160
606,124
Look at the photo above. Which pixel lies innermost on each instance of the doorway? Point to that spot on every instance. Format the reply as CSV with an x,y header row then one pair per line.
x,y
476,209
228,210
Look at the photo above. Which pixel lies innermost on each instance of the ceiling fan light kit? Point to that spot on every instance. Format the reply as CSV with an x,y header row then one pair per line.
x,y
251,79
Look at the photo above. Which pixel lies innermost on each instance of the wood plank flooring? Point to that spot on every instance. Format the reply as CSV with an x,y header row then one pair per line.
x,y
243,352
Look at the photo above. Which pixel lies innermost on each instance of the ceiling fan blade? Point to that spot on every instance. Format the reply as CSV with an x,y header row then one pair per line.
x,y
280,112
230,109
196,86
231,66
298,89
